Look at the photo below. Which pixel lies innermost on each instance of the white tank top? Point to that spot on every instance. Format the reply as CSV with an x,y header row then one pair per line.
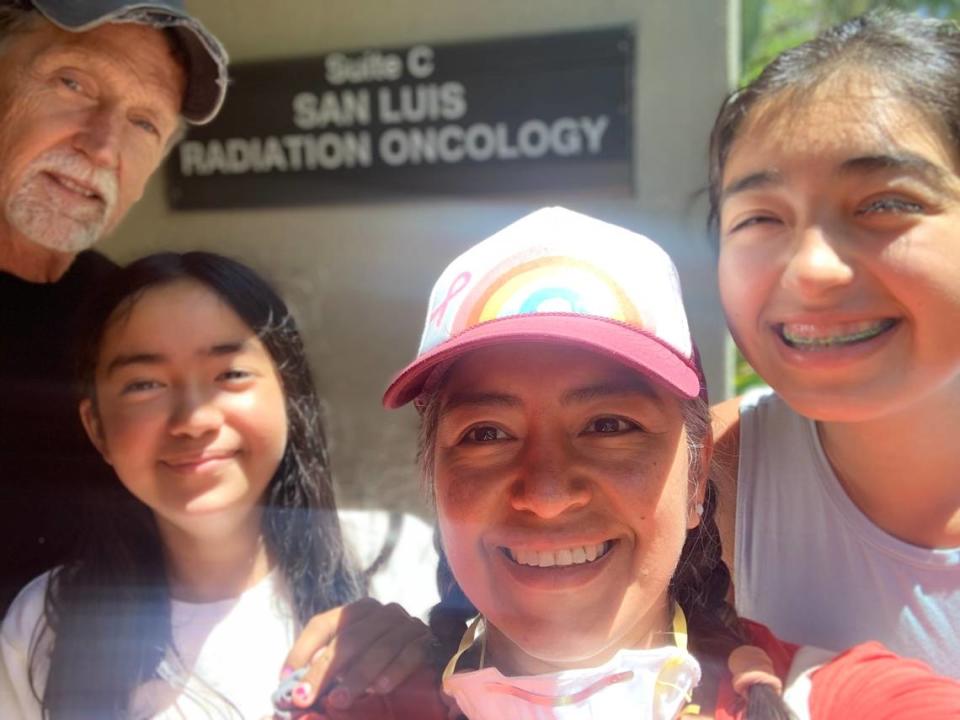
x,y
812,567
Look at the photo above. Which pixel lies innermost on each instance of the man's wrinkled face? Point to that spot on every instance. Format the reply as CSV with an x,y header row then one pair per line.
x,y
84,121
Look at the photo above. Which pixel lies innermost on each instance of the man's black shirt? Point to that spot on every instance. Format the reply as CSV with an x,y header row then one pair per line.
x,y
45,457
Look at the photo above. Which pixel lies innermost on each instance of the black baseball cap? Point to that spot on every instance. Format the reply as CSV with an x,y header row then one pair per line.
x,y
206,57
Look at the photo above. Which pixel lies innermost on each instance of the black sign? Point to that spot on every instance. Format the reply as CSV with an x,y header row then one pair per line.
x,y
523,115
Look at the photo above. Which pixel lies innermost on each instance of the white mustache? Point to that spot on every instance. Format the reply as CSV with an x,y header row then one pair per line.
x,y
71,164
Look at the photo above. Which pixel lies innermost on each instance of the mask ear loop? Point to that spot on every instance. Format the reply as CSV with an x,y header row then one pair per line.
x,y
680,637
679,627
469,637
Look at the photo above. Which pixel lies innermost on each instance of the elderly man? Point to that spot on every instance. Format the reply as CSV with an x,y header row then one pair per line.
x,y
92,95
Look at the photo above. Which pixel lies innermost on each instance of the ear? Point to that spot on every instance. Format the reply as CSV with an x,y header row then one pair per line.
x,y
695,507
91,423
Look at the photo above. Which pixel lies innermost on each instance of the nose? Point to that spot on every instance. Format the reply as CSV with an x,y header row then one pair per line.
x,y
99,138
548,484
818,264
195,414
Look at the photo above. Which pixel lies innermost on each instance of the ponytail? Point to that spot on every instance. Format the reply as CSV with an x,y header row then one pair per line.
x,y
702,583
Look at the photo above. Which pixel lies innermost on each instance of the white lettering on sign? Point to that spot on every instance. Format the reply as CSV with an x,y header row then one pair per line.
x,y
235,156
420,62
343,108
594,128
481,142
408,111
419,103
369,66
446,144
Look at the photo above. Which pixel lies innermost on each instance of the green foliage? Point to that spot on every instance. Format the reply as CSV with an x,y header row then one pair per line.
x,y
745,377
771,26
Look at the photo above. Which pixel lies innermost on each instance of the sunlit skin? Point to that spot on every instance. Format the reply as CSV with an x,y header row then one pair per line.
x,y
840,219
189,411
842,214
543,447
109,99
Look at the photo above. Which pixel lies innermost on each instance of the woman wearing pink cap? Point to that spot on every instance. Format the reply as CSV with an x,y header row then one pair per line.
x,y
566,442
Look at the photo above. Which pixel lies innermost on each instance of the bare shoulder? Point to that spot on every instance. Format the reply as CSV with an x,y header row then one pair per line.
x,y
726,443
726,462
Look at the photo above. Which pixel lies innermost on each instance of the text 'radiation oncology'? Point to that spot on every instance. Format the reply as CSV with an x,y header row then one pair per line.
x,y
420,123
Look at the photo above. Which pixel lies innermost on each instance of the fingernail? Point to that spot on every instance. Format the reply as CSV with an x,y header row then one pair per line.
x,y
340,698
286,672
301,693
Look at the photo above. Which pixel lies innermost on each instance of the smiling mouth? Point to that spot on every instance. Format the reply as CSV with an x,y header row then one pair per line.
x,y
807,336
566,557
75,187
196,462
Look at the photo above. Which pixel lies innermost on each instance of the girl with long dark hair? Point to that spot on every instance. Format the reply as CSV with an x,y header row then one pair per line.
x,y
835,198
220,541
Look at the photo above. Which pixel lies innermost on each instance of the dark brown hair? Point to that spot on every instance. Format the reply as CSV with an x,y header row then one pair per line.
x,y
109,609
916,59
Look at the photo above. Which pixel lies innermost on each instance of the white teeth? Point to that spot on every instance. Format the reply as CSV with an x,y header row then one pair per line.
x,y
560,558
75,187
805,335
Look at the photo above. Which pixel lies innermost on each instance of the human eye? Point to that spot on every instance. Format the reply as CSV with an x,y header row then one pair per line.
x,y
70,83
889,204
73,81
752,220
146,125
135,387
610,425
483,434
234,375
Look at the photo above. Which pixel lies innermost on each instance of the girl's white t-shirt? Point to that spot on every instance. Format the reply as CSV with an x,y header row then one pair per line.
x,y
231,649
817,571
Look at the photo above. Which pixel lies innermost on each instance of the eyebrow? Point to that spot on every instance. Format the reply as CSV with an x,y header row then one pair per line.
x,y
146,358
575,396
901,161
600,391
898,161
122,361
227,348
753,181
479,399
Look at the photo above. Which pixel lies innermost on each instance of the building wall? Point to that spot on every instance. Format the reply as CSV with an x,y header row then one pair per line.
x,y
358,275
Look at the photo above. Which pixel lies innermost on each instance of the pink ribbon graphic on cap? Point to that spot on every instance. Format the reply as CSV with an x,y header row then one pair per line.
x,y
459,283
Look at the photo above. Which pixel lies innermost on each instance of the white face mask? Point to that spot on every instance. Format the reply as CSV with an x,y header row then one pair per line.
x,y
655,684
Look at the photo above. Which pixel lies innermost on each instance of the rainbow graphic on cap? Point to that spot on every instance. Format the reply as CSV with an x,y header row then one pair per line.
x,y
556,275
550,284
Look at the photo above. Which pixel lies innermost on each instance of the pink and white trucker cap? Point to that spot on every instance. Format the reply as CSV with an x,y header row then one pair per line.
x,y
560,277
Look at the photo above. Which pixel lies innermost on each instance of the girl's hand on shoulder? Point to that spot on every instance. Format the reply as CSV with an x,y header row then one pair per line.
x,y
364,647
